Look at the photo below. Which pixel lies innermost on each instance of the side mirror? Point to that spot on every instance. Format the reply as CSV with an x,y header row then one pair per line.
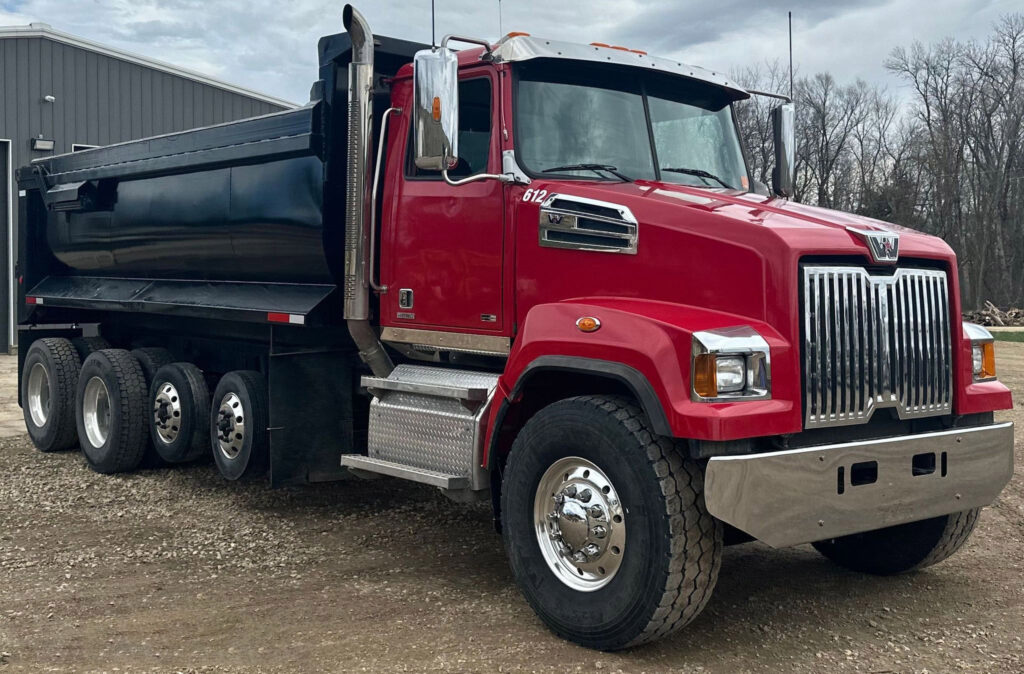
x,y
436,109
784,132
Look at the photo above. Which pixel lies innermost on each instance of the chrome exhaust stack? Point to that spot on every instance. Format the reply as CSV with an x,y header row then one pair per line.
x,y
358,227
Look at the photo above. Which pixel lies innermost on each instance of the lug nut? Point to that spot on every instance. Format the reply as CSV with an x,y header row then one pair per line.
x,y
553,515
599,531
585,495
590,550
597,512
570,490
559,498
579,557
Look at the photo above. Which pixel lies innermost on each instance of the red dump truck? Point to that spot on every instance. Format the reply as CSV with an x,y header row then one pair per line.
x,y
534,272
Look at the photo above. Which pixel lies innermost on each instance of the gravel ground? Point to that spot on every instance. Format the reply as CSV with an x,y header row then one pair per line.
x,y
176,570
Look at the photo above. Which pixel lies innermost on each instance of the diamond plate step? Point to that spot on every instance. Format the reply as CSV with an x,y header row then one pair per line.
x,y
411,473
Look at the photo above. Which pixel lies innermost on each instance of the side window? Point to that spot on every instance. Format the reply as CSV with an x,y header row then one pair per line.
x,y
474,132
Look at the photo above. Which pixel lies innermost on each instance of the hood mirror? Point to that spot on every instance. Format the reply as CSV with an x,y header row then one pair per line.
x,y
784,134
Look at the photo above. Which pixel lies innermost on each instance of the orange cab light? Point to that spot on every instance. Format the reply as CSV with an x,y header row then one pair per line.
x,y
588,324
599,44
639,51
620,48
518,33
436,110
705,378
988,360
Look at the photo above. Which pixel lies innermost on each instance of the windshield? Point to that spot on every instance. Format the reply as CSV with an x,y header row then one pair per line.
x,y
645,125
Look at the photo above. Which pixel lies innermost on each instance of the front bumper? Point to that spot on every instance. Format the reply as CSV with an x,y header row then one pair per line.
x,y
804,495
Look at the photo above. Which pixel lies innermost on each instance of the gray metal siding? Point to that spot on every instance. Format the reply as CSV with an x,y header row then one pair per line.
x,y
100,100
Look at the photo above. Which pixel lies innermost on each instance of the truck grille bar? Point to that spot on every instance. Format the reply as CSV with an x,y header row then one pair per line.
x,y
872,342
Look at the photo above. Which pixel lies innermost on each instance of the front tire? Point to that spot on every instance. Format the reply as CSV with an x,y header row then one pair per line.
x,y
902,548
626,552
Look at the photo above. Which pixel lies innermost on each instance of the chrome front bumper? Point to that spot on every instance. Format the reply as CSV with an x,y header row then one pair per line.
x,y
803,495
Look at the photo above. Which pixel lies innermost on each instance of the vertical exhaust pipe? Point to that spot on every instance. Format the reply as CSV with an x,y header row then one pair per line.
x,y
358,228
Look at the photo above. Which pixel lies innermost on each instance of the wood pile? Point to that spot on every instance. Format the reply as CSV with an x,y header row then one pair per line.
x,y
992,315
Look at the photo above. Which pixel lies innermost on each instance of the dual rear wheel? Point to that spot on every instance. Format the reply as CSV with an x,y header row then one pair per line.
x,y
120,406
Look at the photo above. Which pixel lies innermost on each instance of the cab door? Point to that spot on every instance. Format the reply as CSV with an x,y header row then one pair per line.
x,y
444,244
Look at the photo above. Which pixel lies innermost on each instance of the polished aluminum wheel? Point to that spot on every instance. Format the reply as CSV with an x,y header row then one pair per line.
x,y
230,426
39,395
96,412
167,413
579,523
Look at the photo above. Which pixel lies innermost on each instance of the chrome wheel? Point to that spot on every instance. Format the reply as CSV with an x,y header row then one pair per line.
x,y
96,412
167,413
39,395
230,426
579,524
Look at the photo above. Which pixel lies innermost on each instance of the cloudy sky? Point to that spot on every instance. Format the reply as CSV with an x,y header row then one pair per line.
x,y
270,45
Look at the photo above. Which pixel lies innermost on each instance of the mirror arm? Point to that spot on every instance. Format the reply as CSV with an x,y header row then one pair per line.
x,y
781,97
501,177
471,40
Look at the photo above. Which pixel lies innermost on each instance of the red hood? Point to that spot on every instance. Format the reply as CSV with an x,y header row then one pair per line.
x,y
803,229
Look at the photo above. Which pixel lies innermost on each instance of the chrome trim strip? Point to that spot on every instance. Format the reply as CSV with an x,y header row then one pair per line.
x,y
792,497
449,341
872,342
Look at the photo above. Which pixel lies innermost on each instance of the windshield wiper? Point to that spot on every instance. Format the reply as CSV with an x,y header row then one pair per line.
x,y
700,173
596,168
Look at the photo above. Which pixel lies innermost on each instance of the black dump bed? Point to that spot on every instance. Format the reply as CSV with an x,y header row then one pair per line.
x,y
247,214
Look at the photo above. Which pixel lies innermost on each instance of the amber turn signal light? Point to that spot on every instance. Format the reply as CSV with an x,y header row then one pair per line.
x,y
705,378
588,324
436,111
988,361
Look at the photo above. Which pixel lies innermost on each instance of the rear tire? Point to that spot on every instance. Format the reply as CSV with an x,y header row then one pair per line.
x,y
239,418
151,359
110,408
637,584
902,548
86,346
179,408
48,382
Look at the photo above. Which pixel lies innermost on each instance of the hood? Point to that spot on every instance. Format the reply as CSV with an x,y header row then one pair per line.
x,y
790,228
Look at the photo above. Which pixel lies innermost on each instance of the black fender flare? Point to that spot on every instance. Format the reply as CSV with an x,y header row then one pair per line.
x,y
631,378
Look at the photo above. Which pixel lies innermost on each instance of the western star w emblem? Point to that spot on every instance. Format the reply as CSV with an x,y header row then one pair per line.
x,y
883,246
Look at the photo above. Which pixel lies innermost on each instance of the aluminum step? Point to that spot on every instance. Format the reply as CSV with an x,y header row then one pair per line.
x,y
427,424
435,382
380,466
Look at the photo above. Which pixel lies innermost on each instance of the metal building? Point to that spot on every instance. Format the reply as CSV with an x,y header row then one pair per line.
x,y
60,93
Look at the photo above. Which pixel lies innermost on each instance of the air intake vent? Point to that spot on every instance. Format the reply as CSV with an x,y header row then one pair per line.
x,y
586,224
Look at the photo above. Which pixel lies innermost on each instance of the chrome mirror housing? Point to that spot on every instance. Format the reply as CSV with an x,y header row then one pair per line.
x,y
436,109
784,133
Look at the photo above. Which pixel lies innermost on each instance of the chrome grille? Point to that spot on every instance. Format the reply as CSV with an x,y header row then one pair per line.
x,y
872,342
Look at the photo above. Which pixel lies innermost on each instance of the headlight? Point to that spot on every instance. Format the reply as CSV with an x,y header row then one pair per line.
x,y
983,352
730,364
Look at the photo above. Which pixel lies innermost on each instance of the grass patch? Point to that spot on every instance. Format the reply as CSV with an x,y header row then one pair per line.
x,y
1009,336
